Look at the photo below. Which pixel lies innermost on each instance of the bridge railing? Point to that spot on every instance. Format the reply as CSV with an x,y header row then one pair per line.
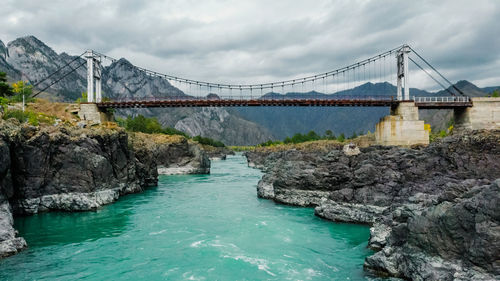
x,y
243,98
448,99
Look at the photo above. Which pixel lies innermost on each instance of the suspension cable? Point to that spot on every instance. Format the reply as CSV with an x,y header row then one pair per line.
x,y
262,85
452,85
64,76
435,80
59,69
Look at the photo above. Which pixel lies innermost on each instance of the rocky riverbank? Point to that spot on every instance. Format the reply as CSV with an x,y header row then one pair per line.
x,y
434,211
66,168
217,153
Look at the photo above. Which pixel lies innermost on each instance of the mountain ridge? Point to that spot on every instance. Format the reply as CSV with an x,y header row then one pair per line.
x,y
31,59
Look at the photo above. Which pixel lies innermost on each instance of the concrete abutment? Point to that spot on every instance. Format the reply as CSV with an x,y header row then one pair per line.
x,y
402,127
483,115
91,113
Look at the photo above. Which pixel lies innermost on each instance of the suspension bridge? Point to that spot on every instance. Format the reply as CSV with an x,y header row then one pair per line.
x,y
331,88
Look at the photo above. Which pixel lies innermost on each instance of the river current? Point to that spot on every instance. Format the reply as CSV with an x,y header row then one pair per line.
x,y
192,227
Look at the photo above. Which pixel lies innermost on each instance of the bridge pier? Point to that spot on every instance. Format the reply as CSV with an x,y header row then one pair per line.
x,y
402,127
484,114
91,113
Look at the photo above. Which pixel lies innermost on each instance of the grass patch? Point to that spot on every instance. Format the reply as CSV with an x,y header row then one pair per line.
x,y
31,117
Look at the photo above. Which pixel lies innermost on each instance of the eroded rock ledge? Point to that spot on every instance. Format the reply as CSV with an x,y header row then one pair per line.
x,y
434,211
73,169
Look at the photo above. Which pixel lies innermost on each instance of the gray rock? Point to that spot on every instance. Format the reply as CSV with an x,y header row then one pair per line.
x,y
434,211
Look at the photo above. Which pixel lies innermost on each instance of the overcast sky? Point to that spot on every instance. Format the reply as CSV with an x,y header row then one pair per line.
x,y
262,41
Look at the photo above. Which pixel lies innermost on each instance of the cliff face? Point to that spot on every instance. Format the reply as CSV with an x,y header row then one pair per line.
x,y
432,210
72,169
65,168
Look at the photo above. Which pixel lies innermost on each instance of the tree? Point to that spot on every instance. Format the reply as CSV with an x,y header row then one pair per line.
x,y
341,138
22,88
5,88
329,135
495,94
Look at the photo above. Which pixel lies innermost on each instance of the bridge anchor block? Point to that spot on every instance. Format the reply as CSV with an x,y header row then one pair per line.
x,y
402,127
91,113
483,115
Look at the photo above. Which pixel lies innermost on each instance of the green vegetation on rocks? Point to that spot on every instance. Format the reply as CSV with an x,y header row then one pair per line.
x,y
208,141
311,136
152,126
5,88
147,125
33,118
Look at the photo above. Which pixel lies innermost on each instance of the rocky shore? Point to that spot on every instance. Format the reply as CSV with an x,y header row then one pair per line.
x,y
434,211
217,153
65,168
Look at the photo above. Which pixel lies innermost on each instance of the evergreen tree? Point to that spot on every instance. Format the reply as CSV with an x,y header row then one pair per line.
x,y
5,88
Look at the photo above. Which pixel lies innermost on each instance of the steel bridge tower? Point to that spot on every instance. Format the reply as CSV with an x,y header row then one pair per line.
x,y
403,73
94,71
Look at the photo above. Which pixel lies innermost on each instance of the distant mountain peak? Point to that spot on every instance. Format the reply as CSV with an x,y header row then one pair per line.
x,y
468,89
3,50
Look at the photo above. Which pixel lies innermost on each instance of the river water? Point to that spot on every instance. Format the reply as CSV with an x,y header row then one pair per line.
x,y
193,227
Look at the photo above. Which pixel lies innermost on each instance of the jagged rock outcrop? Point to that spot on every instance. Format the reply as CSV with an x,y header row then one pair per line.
x,y
73,169
67,168
9,242
455,239
217,153
170,155
433,211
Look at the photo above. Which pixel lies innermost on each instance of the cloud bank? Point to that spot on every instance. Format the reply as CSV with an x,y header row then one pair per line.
x,y
261,41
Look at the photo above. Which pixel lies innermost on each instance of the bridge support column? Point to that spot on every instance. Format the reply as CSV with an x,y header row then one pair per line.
x,y
403,75
93,77
484,114
90,113
402,127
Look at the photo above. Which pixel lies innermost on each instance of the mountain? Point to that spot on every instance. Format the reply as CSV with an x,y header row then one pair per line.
x,y
466,87
35,61
31,59
490,89
12,73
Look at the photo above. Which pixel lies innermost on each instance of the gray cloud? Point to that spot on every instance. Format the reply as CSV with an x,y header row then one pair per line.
x,y
261,41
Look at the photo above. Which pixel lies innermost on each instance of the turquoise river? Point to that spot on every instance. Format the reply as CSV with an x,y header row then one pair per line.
x,y
193,227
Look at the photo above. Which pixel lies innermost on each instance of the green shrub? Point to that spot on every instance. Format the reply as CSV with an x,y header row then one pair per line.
x,y
173,131
19,115
311,136
147,125
208,141
31,117
270,143
143,124
341,138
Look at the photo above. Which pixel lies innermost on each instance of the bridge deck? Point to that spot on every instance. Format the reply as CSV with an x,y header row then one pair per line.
x,y
246,102
277,102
